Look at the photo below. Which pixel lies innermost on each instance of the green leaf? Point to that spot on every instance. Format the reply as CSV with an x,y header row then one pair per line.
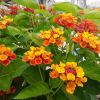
x,y
89,55
27,3
37,89
5,82
71,57
6,40
66,7
44,12
82,95
60,96
9,42
42,27
92,70
93,97
92,87
21,19
13,31
32,75
93,15
34,38
13,70
54,83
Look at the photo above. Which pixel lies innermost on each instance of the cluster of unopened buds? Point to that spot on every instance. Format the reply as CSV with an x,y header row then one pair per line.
x,y
52,11
28,10
37,55
4,22
88,40
12,90
70,73
87,26
14,9
81,12
6,55
53,36
42,6
66,20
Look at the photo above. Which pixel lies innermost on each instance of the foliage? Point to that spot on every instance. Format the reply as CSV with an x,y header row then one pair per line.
x,y
57,52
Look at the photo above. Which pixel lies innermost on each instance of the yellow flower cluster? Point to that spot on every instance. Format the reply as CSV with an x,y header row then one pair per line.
x,y
37,55
71,73
91,39
53,36
4,22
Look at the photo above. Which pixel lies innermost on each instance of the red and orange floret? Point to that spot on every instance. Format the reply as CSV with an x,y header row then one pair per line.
x,y
87,26
42,6
70,73
37,55
13,9
28,10
53,36
6,55
66,20
87,40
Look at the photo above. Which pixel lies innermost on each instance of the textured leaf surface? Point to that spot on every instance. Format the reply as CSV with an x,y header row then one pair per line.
x,y
67,7
93,15
92,70
54,83
13,31
37,89
32,75
11,71
21,19
27,3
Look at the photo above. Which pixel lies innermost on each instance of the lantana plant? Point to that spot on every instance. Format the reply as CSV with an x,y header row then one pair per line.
x,y
49,54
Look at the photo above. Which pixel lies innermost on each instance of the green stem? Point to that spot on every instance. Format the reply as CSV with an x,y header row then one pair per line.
x,y
40,73
60,85
32,20
47,97
56,54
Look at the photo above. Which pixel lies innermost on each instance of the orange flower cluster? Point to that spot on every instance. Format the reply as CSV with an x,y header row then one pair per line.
x,y
70,73
6,55
87,40
66,20
53,36
37,55
5,21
